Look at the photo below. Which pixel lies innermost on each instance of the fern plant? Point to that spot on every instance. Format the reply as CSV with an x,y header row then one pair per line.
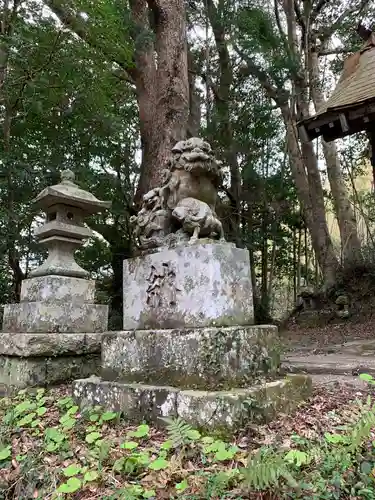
x,y
265,470
216,485
179,432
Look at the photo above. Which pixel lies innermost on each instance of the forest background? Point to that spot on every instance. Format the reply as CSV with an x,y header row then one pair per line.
x,y
106,87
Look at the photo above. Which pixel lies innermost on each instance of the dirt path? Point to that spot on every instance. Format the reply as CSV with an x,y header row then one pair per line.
x,y
335,354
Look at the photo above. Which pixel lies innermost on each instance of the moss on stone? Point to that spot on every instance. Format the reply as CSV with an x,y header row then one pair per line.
x,y
193,358
17,373
222,411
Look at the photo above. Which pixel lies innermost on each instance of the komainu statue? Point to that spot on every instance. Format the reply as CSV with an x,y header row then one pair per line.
x,y
198,219
183,208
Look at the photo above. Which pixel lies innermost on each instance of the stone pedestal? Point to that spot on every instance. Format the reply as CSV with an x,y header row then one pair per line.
x,y
53,335
189,348
192,286
196,358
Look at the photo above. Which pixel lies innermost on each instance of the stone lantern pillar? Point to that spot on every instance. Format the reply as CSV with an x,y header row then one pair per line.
x,y
54,333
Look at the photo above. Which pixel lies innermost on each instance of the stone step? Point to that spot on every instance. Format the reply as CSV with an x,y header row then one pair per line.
x,y
354,348
337,364
329,380
224,410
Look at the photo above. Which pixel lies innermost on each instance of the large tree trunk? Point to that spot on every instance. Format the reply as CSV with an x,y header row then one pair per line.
x,y
162,85
160,75
7,24
350,243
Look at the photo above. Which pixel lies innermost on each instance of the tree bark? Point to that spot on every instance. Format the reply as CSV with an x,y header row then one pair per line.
x,y
311,203
195,115
162,86
7,23
160,76
225,134
350,243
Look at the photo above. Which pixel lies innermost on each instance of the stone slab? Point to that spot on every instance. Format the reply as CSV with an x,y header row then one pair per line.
x,y
338,364
68,317
45,344
58,289
192,358
187,287
223,410
18,373
338,381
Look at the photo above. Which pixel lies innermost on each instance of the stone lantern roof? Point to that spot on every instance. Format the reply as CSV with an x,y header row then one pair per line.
x,y
68,193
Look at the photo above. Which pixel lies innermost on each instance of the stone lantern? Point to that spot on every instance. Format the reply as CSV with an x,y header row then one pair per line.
x,y
54,334
66,206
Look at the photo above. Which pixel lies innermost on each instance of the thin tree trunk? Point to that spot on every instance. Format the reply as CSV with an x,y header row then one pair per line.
x,y
307,260
295,264
224,126
7,22
194,120
311,203
299,247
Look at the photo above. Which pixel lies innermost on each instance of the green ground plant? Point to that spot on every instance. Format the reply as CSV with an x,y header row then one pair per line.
x,y
50,448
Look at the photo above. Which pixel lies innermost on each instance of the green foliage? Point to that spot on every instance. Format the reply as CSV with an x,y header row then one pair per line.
x,y
5,453
72,485
265,470
141,432
338,465
72,470
70,110
92,437
158,464
257,31
129,445
179,432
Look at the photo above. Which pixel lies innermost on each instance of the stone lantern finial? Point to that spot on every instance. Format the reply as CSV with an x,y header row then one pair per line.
x,y
67,176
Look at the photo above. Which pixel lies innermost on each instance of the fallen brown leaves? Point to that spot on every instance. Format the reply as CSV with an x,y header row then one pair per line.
x,y
331,334
326,409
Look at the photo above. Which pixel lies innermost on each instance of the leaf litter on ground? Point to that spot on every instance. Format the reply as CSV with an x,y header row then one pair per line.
x,y
32,469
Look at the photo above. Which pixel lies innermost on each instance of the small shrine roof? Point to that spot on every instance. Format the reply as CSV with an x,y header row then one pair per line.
x,y
352,104
68,193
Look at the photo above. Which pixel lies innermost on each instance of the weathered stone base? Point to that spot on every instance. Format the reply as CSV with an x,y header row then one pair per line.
x,y
58,289
18,373
195,358
47,344
28,359
46,317
198,285
222,410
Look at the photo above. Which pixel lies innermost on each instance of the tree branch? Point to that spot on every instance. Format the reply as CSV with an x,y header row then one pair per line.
x,y
74,24
326,33
278,22
299,16
275,93
331,52
211,84
318,7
